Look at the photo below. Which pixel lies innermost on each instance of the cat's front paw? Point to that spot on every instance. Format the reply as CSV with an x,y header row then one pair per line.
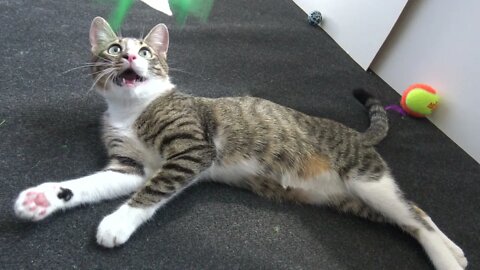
x,y
458,254
38,202
116,228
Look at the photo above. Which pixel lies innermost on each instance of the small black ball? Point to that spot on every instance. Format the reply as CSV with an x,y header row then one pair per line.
x,y
315,18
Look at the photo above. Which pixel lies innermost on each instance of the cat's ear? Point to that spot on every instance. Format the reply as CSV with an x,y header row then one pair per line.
x,y
101,33
157,38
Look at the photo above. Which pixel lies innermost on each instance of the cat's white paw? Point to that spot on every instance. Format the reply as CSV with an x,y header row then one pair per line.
x,y
454,248
458,254
38,202
116,228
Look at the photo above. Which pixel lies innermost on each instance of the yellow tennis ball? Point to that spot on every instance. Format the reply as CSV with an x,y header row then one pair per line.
x,y
419,100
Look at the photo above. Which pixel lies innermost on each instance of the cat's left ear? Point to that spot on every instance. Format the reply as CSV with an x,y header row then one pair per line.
x,y
101,33
157,38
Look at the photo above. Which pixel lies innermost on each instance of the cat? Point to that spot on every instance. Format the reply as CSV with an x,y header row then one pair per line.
x,y
160,141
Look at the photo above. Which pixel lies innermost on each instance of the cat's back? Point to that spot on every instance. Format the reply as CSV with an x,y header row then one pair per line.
x,y
254,117
250,127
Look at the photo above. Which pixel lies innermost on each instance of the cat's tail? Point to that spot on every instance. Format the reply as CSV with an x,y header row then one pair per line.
x,y
378,118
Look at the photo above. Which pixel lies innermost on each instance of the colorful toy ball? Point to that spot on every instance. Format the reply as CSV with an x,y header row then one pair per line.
x,y
419,100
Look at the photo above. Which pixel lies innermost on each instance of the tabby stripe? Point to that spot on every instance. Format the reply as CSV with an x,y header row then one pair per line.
x,y
148,200
150,190
126,161
335,145
111,146
186,123
177,136
129,162
113,142
188,150
200,131
178,168
162,127
136,200
189,158
176,179
116,170
170,188
159,180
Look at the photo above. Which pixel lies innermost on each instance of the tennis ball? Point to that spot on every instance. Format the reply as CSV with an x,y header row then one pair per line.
x,y
419,100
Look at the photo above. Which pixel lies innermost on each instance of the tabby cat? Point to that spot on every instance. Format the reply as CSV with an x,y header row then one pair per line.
x,y
160,141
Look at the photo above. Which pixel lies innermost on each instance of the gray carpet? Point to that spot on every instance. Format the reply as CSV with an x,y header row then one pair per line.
x,y
50,129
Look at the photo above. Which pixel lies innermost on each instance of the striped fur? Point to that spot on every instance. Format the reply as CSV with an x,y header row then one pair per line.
x,y
378,117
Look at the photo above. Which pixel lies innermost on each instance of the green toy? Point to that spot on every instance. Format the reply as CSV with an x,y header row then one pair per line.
x,y
118,14
196,8
181,9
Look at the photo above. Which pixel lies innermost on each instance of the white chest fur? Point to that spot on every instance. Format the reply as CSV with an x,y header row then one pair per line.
x,y
124,129
124,107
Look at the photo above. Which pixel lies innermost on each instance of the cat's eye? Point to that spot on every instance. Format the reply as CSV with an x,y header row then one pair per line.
x,y
145,53
115,49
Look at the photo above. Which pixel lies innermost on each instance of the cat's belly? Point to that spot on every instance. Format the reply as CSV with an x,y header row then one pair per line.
x,y
319,189
234,174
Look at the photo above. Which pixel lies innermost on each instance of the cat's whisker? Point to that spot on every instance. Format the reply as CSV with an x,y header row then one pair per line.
x,y
94,73
79,67
100,76
88,65
110,77
110,68
105,59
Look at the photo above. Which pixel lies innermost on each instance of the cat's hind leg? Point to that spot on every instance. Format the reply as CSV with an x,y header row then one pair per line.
x,y
457,251
384,197
36,203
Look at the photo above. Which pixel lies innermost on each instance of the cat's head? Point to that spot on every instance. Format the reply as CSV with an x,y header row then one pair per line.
x,y
127,64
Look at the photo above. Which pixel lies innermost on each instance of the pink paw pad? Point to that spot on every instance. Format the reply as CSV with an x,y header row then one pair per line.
x,y
36,203
37,198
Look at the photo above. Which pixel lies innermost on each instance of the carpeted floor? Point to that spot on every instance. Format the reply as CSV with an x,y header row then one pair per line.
x,y
49,132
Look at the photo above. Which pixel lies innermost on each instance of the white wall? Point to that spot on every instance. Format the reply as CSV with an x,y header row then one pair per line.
x,y
438,43
359,27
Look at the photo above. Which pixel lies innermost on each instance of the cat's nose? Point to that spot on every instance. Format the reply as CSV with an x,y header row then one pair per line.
x,y
130,57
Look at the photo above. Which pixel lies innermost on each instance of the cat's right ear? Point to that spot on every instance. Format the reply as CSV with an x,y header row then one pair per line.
x,y
101,33
157,38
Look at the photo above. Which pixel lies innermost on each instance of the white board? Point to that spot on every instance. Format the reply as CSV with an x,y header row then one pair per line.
x,y
437,43
359,26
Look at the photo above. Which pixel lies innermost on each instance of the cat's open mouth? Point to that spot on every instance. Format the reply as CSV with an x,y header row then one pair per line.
x,y
129,78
